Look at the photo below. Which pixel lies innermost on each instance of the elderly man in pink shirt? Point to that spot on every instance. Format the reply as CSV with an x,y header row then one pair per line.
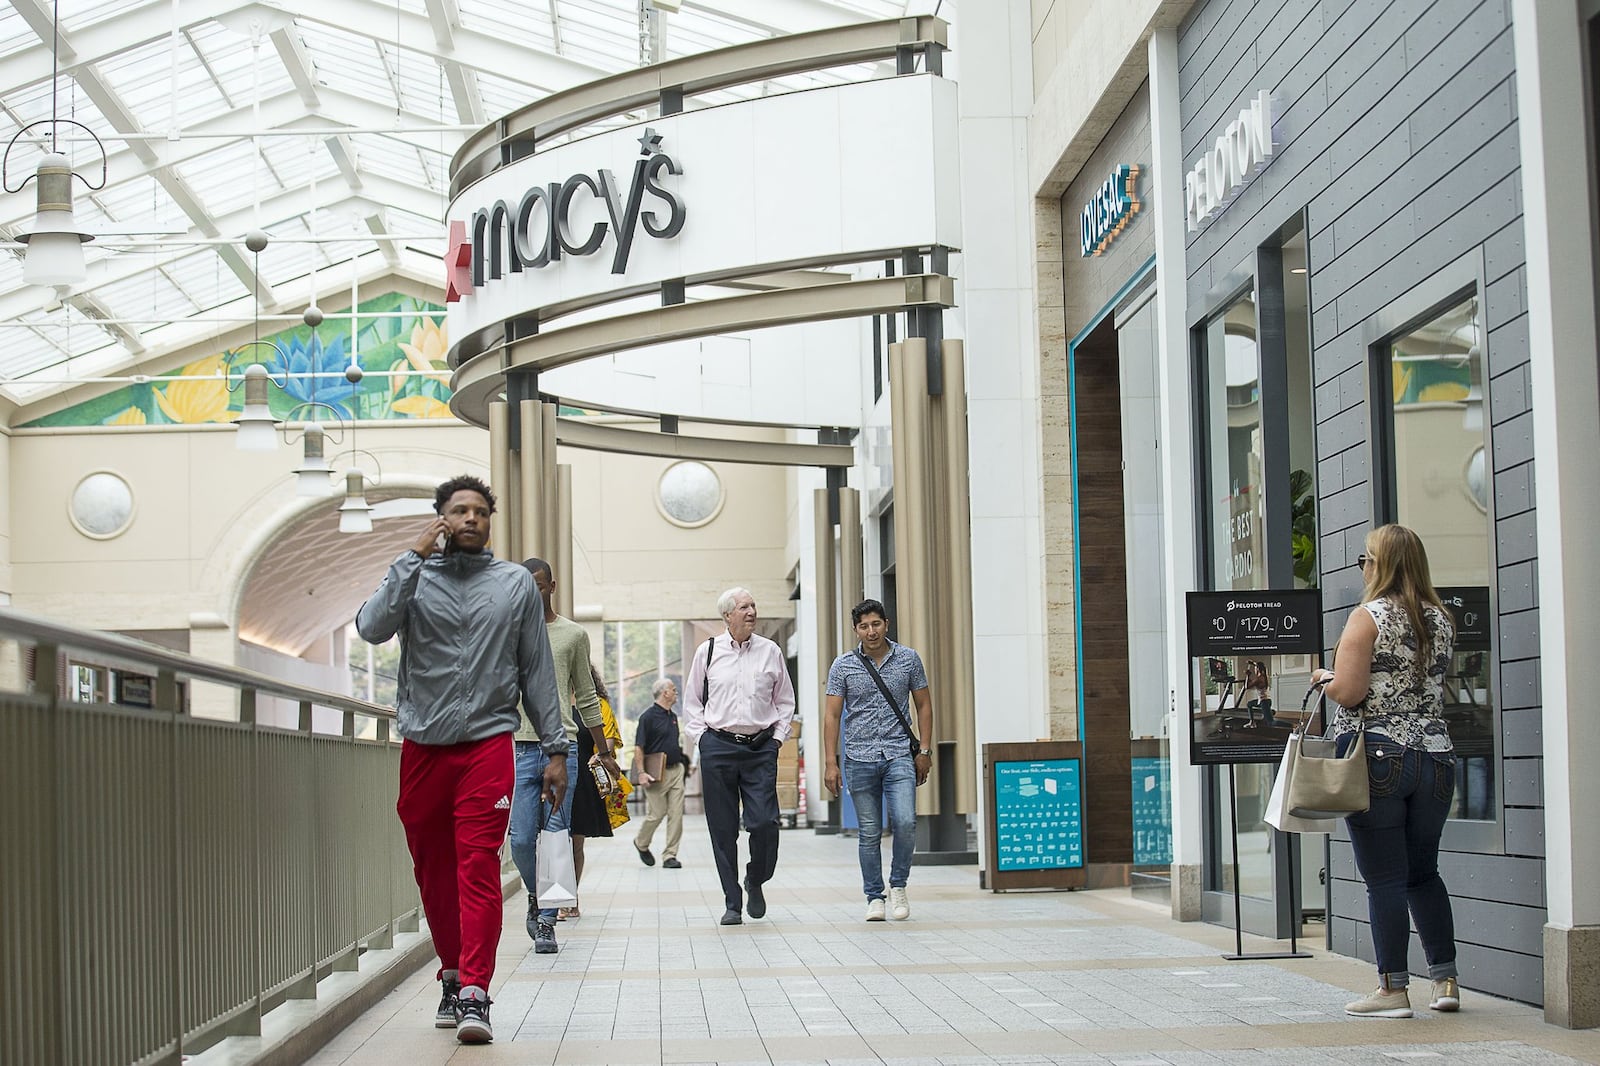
x,y
738,706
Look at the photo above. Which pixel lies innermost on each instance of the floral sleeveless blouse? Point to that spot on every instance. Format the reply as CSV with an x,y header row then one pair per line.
x,y
1406,695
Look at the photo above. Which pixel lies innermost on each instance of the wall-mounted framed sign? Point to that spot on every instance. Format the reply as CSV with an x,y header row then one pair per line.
x,y
1243,645
1035,807
1110,210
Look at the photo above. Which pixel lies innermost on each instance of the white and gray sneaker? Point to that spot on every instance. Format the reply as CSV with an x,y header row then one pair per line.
x,y
450,988
1382,1003
875,910
472,1016
899,904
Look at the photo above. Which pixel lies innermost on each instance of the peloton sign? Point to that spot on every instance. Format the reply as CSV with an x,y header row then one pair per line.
x,y
537,230
1244,148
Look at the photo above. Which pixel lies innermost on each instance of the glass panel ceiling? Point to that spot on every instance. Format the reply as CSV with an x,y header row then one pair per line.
x,y
395,108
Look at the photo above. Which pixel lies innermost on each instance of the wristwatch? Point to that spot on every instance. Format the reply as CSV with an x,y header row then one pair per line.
x,y
925,751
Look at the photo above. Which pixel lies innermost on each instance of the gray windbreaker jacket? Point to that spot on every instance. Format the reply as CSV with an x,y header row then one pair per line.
x,y
472,640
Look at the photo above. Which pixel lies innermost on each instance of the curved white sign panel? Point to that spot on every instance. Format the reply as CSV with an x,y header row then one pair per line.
x,y
809,176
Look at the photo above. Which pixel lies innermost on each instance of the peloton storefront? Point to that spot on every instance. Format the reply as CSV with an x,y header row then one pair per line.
x,y
1357,319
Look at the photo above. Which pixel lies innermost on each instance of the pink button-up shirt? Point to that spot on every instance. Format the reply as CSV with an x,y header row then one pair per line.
x,y
750,689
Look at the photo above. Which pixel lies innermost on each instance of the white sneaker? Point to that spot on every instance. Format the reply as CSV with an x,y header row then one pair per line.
x,y
1382,1003
1446,995
874,910
899,904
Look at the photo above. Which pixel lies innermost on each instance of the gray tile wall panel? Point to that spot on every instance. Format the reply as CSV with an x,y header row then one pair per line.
x,y
1519,686
1397,135
1524,787
1525,836
1515,543
1519,586
1508,346
1513,495
1513,445
1522,732
1509,395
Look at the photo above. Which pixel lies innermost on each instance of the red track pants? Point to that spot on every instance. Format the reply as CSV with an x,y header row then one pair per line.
x,y
455,800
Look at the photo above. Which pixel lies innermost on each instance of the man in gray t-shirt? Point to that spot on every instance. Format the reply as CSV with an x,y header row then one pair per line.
x,y
882,759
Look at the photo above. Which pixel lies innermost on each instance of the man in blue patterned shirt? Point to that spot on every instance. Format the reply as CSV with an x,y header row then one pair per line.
x,y
873,688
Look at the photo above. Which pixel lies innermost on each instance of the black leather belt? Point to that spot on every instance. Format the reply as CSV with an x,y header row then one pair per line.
x,y
748,740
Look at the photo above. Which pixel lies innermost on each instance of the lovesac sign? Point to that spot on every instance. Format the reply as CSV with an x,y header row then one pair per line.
x,y
536,231
1109,212
1244,148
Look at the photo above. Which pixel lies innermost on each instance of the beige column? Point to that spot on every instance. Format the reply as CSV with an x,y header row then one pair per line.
x,y
506,523
563,541
958,719
852,581
826,600
549,513
535,495
913,585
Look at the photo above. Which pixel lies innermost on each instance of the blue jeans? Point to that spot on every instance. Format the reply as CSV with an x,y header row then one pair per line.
x,y
870,783
528,809
1396,844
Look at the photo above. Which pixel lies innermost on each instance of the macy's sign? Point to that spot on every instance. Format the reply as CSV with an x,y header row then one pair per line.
x,y
538,229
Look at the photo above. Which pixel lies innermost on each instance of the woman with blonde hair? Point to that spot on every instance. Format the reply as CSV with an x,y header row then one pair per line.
x,y
1391,663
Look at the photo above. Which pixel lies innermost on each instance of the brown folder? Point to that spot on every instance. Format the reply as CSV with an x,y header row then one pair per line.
x,y
655,764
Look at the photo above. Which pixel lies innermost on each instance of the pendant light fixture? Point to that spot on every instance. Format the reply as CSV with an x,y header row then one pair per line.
x,y
54,255
355,513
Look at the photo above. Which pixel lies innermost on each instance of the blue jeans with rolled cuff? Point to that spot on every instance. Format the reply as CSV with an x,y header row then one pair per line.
x,y
528,809
871,784
1396,843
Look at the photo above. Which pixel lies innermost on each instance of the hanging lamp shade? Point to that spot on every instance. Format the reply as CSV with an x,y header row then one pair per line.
x,y
257,428
313,473
55,244
355,513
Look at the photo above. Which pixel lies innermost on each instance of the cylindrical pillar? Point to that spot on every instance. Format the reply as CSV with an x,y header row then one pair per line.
x,y
957,711
549,516
913,587
503,529
827,605
852,582
536,491
563,542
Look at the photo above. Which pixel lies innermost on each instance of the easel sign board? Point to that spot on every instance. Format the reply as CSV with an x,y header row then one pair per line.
x,y
1238,641
1035,837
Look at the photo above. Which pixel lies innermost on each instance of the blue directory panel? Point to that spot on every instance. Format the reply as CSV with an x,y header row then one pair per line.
x,y
1152,811
1038,813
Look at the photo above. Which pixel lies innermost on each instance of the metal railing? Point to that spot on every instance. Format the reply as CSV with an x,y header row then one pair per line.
x,y
166,879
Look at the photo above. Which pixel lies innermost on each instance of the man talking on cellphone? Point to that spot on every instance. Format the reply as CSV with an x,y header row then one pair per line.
x,y
473,643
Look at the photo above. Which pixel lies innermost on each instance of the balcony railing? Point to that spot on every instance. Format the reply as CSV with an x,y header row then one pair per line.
x,y
165,879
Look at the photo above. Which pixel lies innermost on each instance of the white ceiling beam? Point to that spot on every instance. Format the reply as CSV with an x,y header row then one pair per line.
x,y
778,16
134,27
344,157
445,18
123,120
297,61
390,248
484,51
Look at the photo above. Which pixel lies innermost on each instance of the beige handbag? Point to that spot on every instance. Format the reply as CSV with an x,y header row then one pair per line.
x,y
1322,784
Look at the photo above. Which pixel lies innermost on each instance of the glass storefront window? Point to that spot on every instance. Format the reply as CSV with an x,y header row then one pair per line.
x,y
1233,425
1439,487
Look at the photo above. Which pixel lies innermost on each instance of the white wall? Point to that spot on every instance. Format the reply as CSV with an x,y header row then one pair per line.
x,y
990,60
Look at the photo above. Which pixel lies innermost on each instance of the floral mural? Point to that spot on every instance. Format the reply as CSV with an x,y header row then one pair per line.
x,y
414,339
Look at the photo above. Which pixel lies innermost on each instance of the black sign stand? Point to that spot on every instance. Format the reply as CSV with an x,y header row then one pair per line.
x,y
1239,954
1265,621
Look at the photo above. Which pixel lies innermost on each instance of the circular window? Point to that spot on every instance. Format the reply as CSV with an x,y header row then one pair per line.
x,y
689,494
101,506
1475,480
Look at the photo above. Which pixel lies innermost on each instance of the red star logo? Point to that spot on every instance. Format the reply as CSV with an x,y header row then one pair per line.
x,y
458,264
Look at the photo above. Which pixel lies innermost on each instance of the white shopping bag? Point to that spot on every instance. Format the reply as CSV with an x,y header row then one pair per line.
x,y
1277,815
554,869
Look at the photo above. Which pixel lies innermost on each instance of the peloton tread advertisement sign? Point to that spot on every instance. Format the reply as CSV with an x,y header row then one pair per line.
x,y
1245,147
835,174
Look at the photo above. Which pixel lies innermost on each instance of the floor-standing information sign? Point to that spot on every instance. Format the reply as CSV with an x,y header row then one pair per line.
x,y
1236,640
1035,837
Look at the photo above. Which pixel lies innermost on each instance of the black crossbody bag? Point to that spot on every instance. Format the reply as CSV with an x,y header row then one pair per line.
x,y
905,722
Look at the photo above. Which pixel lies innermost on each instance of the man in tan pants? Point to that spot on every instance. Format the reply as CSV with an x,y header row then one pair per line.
x,y
661,766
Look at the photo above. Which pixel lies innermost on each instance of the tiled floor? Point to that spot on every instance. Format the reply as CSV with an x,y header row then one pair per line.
x,y
647,976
